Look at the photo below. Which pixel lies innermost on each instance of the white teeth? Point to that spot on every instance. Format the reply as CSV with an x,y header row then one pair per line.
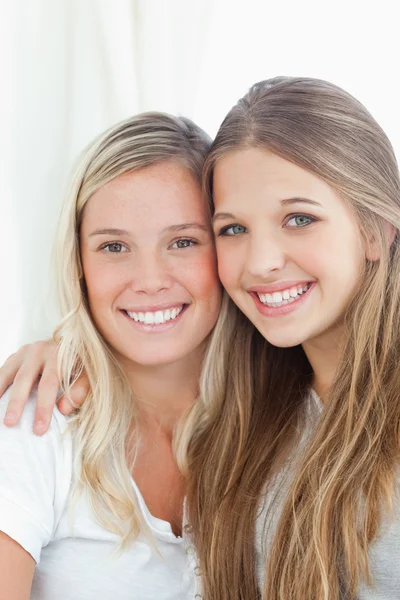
x,y
158,317
149,318
155,318
284,297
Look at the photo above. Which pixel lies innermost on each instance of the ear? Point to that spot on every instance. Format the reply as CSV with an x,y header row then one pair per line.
x,y
372,247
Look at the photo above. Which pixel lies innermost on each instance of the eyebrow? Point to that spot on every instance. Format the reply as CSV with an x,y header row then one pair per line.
x,y
222,215
183,226
172,228
109,232
285,202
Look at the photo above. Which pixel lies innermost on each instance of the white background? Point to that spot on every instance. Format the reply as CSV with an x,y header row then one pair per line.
x,y
71,68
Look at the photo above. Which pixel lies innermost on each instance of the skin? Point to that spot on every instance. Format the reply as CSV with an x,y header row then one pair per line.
x,y
164,241
289,228
16,570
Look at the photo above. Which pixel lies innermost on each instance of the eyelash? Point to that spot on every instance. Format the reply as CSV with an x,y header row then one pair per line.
x,y
106,247
294,216
191,243
224,230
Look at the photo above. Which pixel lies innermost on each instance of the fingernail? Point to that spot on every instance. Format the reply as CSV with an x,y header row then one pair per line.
x,y
39,427
10,418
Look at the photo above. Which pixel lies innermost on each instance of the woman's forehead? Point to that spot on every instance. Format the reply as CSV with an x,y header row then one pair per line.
x,y
164,193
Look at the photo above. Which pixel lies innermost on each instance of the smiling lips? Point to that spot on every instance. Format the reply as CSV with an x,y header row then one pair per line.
x,y
276,299
157,317
281,298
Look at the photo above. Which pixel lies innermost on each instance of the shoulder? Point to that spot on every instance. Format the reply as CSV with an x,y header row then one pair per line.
x,y
384,555
24,454
58,423
35,477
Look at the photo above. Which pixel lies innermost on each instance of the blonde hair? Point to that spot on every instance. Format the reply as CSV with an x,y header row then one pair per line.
x,y
103,426
253,395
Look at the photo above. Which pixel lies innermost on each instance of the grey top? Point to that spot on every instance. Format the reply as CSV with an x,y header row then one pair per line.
x,y
384,553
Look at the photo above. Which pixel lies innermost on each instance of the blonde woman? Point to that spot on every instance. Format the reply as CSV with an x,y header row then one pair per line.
x,y
93,509
291,453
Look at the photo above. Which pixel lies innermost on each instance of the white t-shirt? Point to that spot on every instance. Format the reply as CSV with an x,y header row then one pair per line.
x,y
79,563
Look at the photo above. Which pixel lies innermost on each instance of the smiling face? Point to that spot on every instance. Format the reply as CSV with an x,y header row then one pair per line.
x,y
290,252
149,264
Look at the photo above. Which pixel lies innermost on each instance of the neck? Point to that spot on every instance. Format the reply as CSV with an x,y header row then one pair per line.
x,y
323,354
164,392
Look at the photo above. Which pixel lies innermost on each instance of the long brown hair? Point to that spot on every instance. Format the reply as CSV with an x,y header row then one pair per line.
x,y
253,395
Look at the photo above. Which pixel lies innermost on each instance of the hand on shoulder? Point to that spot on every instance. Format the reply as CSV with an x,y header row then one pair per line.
x,y
33,362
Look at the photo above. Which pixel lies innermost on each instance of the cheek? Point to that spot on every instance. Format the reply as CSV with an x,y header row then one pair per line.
x,y
229,265
328,254
103,283
202,277
317,264
341,262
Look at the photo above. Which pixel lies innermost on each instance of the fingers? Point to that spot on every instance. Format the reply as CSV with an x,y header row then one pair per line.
x,y
79,392
47,393
8,371
65,406
23,369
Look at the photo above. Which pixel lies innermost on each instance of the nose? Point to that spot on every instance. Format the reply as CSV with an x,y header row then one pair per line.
x,y
264,256
151,275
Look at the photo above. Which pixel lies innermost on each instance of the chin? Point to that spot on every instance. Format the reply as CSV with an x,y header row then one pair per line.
x,y
283,341
151,359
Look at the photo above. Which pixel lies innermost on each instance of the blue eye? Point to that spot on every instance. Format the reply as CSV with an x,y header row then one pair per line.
x,y
232,230
114,248
184,243
299,221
